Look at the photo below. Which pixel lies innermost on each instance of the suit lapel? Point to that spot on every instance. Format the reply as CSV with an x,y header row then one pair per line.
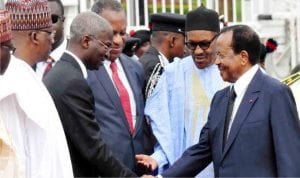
x,y
129,71
248,101
223,104
68,58
223,119
110,89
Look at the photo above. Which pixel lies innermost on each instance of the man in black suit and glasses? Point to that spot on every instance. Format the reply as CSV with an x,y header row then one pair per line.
x,y
90,40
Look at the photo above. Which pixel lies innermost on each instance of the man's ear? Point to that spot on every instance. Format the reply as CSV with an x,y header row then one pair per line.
x,y
33,36
84,41
172,40
244,57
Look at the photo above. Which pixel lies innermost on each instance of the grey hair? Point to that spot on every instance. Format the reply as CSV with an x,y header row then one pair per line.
x,y
88,23
100,5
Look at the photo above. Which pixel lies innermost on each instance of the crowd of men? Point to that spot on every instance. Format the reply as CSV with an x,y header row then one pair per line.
x,y
183,99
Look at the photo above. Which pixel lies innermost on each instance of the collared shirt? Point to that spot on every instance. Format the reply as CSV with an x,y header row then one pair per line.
x,y
55,55
125,82
240,87
82,66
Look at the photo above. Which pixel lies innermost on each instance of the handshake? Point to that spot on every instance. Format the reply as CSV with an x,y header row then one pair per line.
x,y
146,164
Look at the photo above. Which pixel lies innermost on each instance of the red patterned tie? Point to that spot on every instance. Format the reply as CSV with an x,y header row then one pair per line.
x,y
50,61
124,96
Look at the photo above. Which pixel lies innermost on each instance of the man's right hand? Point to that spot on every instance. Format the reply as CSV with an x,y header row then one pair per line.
x,y
146,161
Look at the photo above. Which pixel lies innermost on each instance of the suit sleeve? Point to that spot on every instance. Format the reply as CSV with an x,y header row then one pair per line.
x,y
286,133
83,131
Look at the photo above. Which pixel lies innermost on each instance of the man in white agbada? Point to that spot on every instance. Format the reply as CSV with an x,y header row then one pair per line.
x,y
10,165
179,105
26,107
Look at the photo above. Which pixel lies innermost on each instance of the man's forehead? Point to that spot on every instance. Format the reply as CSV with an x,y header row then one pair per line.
x,y
225,37
200,35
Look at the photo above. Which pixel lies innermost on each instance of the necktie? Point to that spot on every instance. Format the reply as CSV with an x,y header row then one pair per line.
x,y
124,96
228,114
49,62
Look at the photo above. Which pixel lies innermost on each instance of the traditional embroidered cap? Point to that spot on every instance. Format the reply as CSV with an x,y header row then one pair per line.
x,y
5,26
29,14
202,19
167,22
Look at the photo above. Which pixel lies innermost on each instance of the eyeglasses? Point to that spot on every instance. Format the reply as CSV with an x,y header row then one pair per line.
x,y
50,33
106,46
55,18
204,45
9,47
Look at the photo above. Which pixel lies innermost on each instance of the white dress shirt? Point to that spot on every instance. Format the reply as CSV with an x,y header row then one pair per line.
x,y
80,63
240,88
125,82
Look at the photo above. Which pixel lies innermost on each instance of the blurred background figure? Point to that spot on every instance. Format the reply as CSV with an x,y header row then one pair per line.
x,y
144,45
167,42
130,45
271,46
293,81
222,21
60,42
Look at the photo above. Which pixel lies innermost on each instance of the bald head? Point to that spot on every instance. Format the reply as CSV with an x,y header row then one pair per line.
x,y
90,38
88,23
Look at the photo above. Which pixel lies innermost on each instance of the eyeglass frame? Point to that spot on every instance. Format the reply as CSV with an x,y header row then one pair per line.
x,y
50,33
204,45
107,48
11,48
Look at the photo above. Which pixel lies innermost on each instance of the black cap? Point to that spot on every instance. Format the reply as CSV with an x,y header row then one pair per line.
x,y
143,35
130,45
202,19
167,22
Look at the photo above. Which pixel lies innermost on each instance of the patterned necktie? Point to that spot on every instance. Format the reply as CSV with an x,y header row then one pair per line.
x,y
228,115
49,62
124,96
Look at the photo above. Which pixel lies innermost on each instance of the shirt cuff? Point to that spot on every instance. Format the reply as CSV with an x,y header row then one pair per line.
x,y
160,157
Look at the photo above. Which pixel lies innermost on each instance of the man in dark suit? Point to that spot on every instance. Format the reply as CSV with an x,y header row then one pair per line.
x,y
167,42
258,135
90,40
117,88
